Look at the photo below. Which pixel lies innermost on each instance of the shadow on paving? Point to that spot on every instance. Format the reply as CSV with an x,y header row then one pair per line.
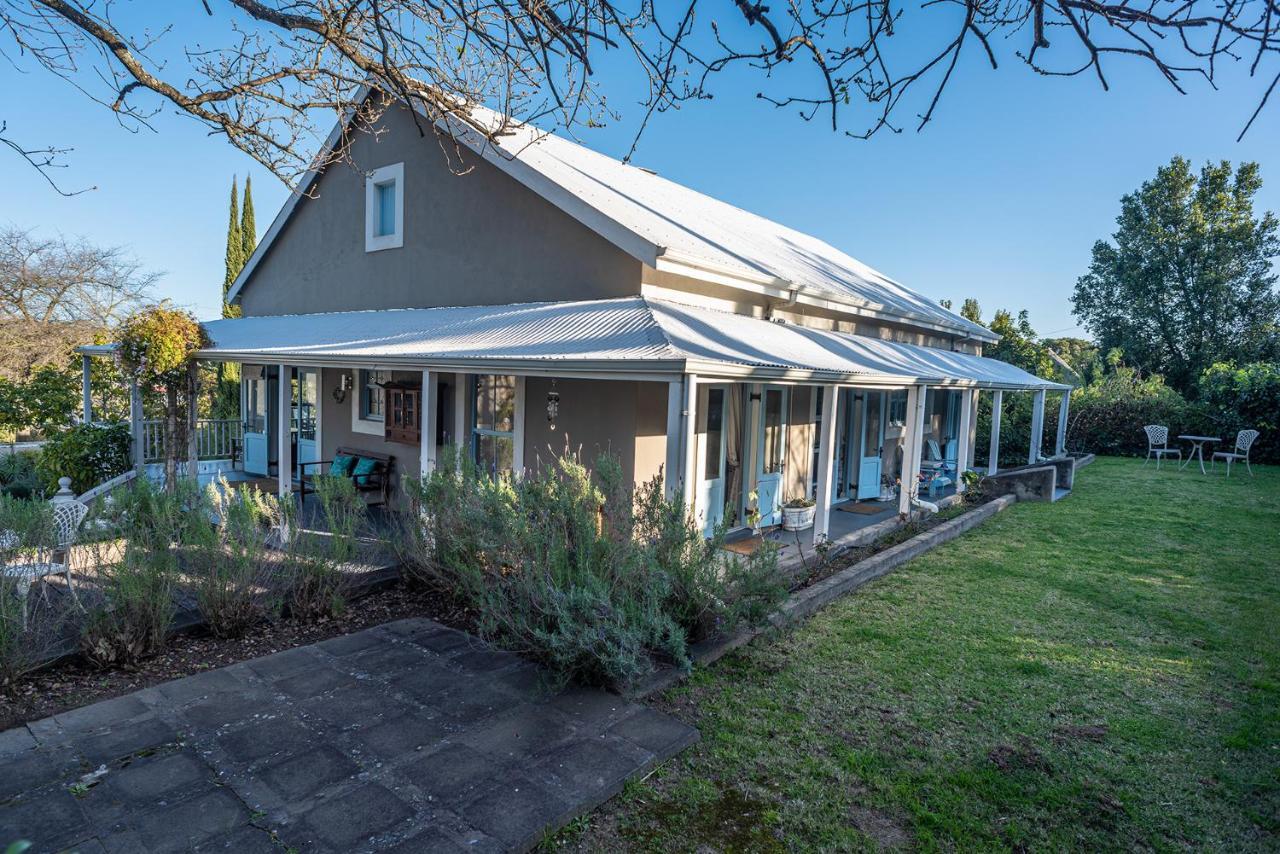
x,y
405,737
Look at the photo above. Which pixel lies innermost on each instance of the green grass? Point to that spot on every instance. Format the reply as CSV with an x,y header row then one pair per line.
x,y
1101,673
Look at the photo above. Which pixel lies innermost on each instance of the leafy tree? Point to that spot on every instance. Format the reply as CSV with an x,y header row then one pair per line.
x,y
1187,279
1018,344
235,252
971,310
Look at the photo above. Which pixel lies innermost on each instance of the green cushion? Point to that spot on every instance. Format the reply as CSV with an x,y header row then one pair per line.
x,y
364,467
342,465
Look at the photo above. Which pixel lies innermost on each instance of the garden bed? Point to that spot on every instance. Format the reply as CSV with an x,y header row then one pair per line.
x,y
74,682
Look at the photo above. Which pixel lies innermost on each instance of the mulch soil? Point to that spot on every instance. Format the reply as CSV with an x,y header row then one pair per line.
x,y
76,683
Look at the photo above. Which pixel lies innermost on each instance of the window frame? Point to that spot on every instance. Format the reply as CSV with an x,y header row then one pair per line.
x,y
373,241
361,422
515,435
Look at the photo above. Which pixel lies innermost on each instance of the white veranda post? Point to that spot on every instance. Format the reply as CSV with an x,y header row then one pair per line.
x,y
963,462
673,467
1037,427
826,461
284,431
86,397
993,455
689,441
427,414
1064,408
911,440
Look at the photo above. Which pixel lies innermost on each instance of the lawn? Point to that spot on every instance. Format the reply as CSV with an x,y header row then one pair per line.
x,y
1099,673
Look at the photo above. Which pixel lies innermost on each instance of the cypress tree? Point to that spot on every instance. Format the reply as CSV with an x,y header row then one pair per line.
x,y
235,251
248,229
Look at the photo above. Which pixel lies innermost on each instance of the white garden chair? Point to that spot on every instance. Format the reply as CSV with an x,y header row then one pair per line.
x,y
1158,444
41,561
1240,453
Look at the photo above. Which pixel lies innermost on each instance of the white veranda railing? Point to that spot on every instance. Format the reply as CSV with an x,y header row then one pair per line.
x,y
215,439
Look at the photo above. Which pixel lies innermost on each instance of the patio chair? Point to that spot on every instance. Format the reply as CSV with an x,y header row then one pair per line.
x,y
43,561
1158,444
1240,453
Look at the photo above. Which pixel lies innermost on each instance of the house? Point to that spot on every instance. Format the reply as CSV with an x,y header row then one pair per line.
x,y
554,297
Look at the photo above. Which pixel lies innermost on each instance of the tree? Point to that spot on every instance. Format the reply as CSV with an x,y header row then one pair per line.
x,y
1187,279
157,346
234,254
267,85
971,311
248,228
56,294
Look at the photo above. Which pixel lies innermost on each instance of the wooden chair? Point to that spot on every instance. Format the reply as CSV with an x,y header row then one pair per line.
x,y
379,481
1158,444
1240,453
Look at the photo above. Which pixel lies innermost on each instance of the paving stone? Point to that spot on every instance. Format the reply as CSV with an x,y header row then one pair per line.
x,y
259,739
349,644
485,660
600,708
402,736
246,839
525,731
154,777
378,809
101,715
442,640
516,811
282,664
308,773
525,682
352,706
388,660
127,739
15,741
473,702
126,841
181,825
49,820
586,770
430,680
430,840
660,734
453,773
312,682
221,709
200,685
26,772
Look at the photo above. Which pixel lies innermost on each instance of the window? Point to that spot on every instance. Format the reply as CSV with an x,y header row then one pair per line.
x,y
384,208
775,426
371,399
493,416
898,408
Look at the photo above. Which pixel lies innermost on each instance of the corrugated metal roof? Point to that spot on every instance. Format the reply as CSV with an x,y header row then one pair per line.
x,y
632,333
694,226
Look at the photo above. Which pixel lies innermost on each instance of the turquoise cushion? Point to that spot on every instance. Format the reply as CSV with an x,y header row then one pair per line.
x,y
364,467
341,465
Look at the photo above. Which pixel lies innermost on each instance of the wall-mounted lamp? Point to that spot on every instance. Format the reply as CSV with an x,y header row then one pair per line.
x,y
341,389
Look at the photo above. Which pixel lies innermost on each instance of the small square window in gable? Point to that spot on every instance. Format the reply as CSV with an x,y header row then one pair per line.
x,y
384,208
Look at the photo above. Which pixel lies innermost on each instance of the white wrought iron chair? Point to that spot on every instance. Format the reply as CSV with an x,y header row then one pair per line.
x,y
1158,444
1240,453
41,561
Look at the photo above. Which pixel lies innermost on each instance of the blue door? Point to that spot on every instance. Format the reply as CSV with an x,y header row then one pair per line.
x,y
870,444
771,454
256,401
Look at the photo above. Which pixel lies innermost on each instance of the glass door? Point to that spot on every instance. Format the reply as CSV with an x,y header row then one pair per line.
x,y
871,442
256,416
711,458
306,415
771,450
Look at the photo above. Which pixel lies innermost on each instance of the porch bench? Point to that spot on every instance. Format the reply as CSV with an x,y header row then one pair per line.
x,y
378,481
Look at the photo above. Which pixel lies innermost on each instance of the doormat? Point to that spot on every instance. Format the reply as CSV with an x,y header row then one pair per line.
x,y
747,545
863,508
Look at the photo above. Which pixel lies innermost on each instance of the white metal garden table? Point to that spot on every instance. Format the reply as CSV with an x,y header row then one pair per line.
x,y
1197,449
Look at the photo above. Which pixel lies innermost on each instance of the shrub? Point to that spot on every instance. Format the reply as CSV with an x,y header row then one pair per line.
x,y
138,572
1245,397
27,644
88,454
317,580
236,583
18,475
567,566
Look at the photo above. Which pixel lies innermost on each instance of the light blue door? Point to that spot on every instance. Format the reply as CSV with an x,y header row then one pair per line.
x,y
306,412
870,444
711,453
771,454
255,420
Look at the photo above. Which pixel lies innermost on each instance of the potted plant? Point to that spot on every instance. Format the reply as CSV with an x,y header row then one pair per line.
x,y
798,513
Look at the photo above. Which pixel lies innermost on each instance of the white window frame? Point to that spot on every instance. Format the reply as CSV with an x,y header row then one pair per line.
x,y
374,242
360,424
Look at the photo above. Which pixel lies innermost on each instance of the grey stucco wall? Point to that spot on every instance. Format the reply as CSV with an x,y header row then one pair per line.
x,y
479,238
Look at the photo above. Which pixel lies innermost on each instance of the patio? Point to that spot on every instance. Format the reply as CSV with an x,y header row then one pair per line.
x,y
406,737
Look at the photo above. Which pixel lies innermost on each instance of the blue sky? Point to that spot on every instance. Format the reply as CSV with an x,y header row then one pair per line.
x,y
1000,198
